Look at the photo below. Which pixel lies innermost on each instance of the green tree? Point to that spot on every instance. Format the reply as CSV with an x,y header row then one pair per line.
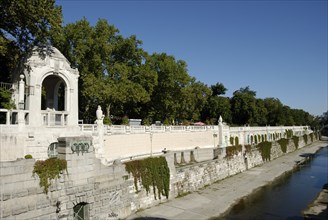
x,y
112,69
218,89
194,97
243,106
168,94
23,25
275,114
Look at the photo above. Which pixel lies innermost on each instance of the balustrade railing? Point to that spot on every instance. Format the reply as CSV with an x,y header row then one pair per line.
x,y
54,118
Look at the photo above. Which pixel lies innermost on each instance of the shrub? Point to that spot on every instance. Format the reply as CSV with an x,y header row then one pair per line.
x,y
152,171
265,150
28,156
283,142
305,137
107,121
231,140
296,139
48,170
233,150
236,141
125,120
311,136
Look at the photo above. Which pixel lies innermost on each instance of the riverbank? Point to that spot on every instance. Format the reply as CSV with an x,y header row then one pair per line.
x,y
218,198
318,209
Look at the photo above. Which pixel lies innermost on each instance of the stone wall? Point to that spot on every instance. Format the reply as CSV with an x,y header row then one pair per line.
x,y
108,192
147,143
194,176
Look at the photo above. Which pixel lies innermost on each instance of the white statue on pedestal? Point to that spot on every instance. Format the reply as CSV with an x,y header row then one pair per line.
x,y
100,116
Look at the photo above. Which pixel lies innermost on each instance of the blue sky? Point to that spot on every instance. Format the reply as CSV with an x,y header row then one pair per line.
x,y
278,48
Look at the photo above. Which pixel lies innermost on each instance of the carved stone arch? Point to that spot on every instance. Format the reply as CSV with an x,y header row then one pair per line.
x,y
54,95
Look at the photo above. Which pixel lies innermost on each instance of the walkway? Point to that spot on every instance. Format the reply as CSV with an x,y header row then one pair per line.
x,y
217,198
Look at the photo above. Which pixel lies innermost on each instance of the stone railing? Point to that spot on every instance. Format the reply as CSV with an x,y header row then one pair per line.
x,y
14,117
134,129
54,118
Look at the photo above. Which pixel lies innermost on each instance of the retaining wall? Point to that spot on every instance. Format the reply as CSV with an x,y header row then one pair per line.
x,y
108,191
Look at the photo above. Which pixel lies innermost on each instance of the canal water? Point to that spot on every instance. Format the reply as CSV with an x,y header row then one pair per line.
x,y
288,196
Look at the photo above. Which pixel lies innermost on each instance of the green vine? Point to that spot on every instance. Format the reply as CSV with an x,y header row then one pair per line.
x,y
305,137
311,136
248,148
283,142
48,170
233,150
236,141
152,171
289,133
296,140
265,150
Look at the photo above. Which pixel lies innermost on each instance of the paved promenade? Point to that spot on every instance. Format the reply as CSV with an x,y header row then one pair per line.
x,y
217,198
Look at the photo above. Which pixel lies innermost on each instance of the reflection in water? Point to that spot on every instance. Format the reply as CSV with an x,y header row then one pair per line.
x,y
288,196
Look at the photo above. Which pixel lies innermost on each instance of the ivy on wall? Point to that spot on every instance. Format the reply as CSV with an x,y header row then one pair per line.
x,y
48,170
233,150
305,138
283,142
289,133
248,148
296,140
265,150
152,171
311,136
236,141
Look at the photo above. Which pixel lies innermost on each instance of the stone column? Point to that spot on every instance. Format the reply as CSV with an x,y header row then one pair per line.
x,y
221,136
21,89
100,128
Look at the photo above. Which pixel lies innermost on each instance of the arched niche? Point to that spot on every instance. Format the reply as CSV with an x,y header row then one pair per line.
x,y
54,93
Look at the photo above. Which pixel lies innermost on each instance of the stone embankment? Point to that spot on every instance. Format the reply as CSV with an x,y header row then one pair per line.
x,y
318,209
218,198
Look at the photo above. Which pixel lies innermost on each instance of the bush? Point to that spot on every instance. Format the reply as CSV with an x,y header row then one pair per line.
x,y
47,170
28,156
107,121
265,150
296,139
125,120
152,171
283,142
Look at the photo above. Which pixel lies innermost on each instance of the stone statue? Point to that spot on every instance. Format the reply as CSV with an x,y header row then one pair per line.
x,y
99,115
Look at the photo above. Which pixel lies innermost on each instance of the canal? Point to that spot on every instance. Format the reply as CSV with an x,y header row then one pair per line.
x,y
288,195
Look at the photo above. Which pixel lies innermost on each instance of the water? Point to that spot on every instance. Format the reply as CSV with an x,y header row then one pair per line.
x,y
288,196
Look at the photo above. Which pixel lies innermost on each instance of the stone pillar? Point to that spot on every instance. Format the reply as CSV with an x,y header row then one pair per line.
x,y
221,136
100,128
21,89
8,117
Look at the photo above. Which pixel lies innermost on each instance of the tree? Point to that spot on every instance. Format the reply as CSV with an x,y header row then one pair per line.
x,y
218,89
194,97
23,25
113,70
168,94
217,105
243,106
275,114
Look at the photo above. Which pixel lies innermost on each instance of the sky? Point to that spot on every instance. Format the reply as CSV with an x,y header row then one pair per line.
x,y
277,48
